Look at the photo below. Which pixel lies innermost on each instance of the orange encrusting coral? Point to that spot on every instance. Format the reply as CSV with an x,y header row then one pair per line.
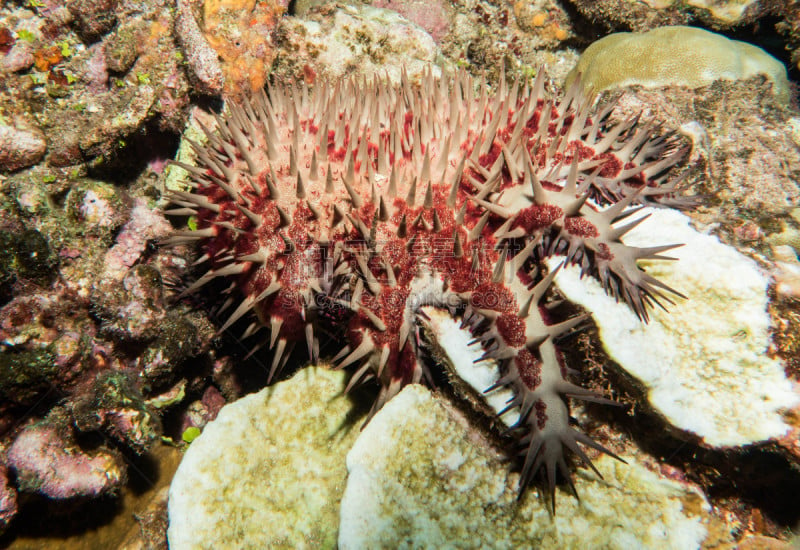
x,y
240,32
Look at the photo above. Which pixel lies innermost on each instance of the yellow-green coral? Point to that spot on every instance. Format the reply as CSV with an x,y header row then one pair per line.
x,y
675,55
729,12
788,235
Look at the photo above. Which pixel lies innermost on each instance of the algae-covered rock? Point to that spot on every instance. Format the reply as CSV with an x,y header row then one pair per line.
x,y
115,406
25,375
649,14
675,56
745,155
96,208
25,254
416,479
269,471
84,78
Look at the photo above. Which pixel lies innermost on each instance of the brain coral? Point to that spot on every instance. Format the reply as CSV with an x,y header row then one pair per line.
x,y
339,214
674,55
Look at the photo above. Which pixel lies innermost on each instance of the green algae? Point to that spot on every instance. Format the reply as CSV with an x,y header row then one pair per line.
x,y
26,374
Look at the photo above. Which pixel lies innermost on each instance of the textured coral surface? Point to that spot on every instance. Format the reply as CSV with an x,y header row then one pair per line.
x,y
343,211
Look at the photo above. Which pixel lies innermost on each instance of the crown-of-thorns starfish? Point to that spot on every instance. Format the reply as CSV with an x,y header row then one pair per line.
x,y
346,209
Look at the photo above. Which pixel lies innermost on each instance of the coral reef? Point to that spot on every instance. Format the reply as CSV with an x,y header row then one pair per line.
x,y
434,17
87,338
730,12
785,248
26,255
415,474
228,42
98,356
767,18
790,28
38,357
205,71
485,37
204,410
20,146
756,183
115,406
239,31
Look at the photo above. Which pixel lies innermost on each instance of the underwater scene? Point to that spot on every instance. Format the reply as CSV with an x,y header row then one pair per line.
x,y
400,274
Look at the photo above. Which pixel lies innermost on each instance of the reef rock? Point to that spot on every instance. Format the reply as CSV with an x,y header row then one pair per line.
x,y
745,149
145,224
648,14
20,147
269,470
434,17
417,478
205,69
101,69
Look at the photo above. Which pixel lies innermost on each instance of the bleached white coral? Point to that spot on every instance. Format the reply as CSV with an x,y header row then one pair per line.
x,y
404,487
705,363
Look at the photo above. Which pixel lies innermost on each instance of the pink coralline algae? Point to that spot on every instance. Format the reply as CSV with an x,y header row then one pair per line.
x,y
49,464
8,499
143,226
434,17
344,211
